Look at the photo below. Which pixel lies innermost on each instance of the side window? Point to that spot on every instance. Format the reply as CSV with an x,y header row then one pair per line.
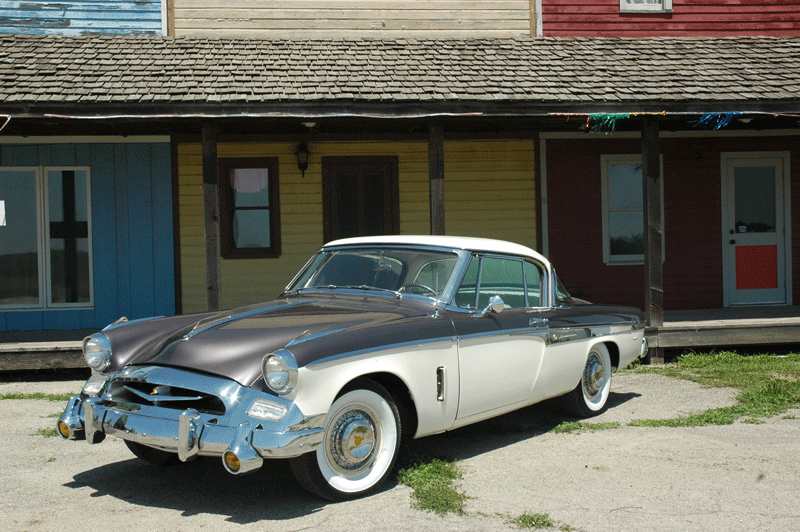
x,y
534,276
502,277
498,277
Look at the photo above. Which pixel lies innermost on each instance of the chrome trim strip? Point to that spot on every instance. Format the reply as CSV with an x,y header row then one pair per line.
x,y
378,349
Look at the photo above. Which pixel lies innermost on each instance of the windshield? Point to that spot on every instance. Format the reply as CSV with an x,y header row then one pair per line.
x,y
403,270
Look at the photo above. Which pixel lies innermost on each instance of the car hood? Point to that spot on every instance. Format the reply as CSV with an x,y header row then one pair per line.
x,y
232,344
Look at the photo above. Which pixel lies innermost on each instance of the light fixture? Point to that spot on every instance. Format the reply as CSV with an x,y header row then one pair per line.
x,y
302,154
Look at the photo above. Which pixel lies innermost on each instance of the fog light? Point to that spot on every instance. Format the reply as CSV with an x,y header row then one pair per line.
x,y
232,461
267,410
63,429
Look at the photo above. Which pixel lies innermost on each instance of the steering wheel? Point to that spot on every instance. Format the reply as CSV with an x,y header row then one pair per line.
x,y
421,286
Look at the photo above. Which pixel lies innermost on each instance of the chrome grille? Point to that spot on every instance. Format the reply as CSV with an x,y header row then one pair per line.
x,y
164,396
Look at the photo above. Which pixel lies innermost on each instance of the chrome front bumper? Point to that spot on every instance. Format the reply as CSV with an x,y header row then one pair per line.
x,y
188,432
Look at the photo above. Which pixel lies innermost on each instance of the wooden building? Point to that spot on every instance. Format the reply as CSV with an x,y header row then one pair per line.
x,y
416,117
669,18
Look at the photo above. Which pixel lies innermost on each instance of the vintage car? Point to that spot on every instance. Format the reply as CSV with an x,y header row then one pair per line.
x,y
376,339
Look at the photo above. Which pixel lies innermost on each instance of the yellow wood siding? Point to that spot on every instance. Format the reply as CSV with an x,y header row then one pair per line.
x,y
489,187
292,19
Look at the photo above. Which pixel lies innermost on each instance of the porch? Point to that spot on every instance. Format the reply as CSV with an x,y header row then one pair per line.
x,y
725,327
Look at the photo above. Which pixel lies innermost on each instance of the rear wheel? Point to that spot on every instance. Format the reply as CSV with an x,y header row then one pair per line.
x,y
152,456
590,397
360,445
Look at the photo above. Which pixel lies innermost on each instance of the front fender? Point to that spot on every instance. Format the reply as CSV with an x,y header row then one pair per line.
x,y
415,365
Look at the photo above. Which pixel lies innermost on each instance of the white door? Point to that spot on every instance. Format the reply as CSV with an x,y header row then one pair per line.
x,y
754,228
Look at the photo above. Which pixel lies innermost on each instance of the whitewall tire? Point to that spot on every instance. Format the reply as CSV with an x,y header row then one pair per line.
x,y
590,396
360,445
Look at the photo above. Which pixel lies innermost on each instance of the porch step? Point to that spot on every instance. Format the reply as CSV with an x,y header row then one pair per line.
x,y
24,356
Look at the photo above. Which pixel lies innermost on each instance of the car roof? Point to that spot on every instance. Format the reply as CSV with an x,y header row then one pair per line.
x,y
454,242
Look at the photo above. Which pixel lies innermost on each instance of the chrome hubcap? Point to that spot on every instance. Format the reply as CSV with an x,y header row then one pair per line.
x,y
352,442
594,376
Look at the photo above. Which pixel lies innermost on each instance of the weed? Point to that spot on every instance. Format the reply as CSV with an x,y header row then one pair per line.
x,y
580,426
47,433
433,487
533,521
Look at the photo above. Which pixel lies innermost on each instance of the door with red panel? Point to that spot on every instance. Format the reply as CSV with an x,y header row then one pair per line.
x,y
754,228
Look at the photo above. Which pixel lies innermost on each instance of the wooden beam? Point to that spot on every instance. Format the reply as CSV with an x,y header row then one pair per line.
x,y
653,231
211,215
436,176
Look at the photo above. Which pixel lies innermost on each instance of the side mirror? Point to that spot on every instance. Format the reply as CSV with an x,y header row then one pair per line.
x,y
496,305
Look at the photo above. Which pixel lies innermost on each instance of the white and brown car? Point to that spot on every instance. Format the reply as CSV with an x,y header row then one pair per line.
x,y
376,339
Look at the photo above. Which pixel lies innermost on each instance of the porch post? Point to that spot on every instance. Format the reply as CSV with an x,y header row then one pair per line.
x,y
653,231
436,176
211,214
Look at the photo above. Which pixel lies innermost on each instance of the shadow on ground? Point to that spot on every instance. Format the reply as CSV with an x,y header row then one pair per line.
x,y
271,493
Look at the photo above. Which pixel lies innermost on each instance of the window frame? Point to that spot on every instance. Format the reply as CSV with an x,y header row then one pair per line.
x,y
43,248
228,247
664,7
606,161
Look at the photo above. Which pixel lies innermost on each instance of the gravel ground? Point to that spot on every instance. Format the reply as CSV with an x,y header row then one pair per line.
x,y
737,477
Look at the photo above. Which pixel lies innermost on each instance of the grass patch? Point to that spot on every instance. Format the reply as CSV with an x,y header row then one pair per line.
x,y
769,384
433,486
37,396
47,433
533,521
579,426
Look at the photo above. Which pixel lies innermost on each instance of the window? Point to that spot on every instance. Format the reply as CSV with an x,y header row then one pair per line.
x,y
249,213
45,238
623,212
518,283
645,6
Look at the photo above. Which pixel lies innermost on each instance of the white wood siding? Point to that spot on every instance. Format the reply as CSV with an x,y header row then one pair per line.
x,y
303,19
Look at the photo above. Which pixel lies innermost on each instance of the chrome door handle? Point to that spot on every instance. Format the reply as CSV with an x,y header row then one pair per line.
x,y
538,322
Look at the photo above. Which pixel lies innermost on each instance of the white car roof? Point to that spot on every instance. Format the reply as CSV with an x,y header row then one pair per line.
x,y
455,242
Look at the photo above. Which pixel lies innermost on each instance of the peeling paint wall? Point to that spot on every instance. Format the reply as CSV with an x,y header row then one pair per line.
x,y
82,17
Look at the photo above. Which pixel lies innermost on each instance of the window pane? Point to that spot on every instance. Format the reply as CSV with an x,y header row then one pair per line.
x,y
502,277
251,229
626,229
19,253
69,236
465,297
374,204
755,199
250,187
533,277
625,186
347,204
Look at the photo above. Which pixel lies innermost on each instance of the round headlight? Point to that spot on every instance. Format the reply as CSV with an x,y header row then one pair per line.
x,y
278,375
97,355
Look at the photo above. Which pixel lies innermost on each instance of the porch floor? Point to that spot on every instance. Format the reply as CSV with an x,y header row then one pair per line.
x,y
721,327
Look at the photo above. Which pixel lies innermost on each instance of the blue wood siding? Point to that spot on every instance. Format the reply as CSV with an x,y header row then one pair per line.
x,y
132,233
81,17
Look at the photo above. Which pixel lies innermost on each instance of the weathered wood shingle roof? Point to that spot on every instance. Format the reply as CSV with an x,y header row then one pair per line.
x,y
537,74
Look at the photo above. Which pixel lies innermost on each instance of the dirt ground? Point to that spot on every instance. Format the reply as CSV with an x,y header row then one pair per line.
x,y
728,478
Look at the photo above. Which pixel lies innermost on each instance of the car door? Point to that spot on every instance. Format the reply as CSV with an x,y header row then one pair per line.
x,y
499,353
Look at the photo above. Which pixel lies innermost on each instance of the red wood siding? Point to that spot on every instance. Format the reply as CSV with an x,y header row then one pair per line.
x,y
689,18
692,218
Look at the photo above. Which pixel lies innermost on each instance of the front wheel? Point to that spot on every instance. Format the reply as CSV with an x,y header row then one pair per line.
x,y
359,448
590,397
